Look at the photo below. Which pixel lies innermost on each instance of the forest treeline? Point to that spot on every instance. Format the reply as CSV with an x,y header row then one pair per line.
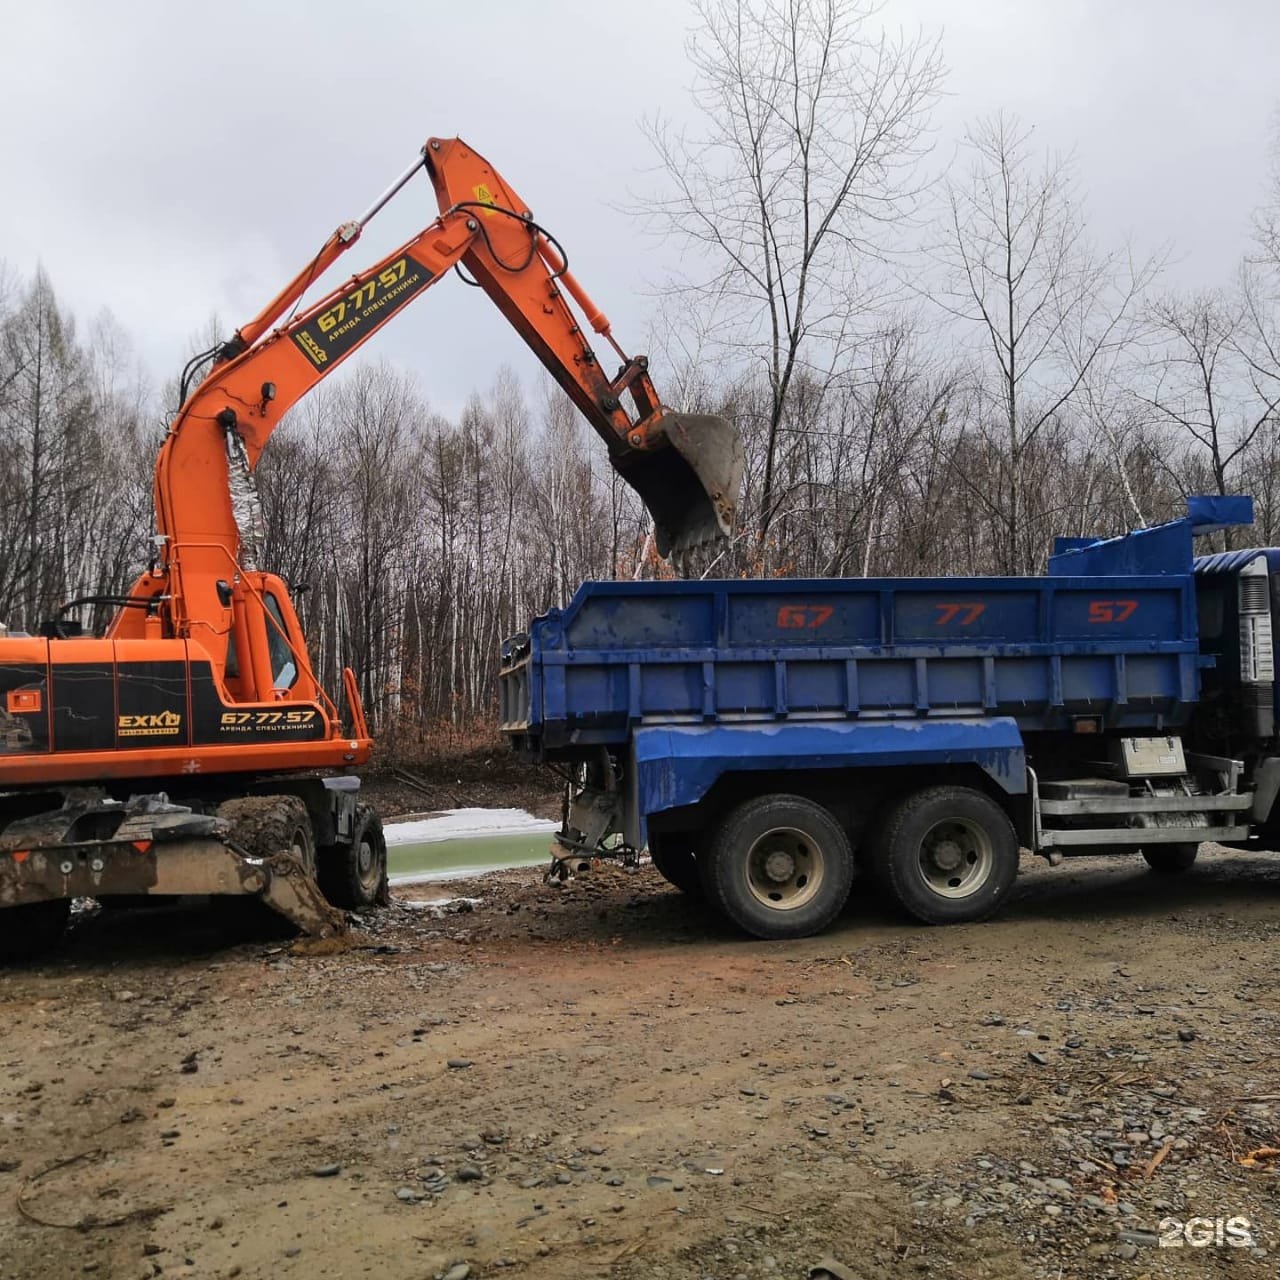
x,y
933,373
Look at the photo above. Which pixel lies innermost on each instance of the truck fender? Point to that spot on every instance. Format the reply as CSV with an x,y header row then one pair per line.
x,y
677,765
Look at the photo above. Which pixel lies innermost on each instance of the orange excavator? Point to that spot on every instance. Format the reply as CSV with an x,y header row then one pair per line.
x,y
190,749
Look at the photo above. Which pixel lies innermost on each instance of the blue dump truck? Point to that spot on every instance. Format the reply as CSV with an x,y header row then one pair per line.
x,y
771,740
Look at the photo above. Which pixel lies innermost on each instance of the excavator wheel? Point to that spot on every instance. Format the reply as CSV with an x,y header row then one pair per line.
x,y
29,931
265,826
354,876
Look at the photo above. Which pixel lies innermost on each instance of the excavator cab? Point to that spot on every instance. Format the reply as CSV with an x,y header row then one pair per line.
x,y
266,628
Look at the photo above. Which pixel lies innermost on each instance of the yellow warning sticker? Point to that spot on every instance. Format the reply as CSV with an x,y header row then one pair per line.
x,y
485,196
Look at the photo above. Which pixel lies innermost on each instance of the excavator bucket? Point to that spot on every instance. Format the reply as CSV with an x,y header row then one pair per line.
x,y
689,481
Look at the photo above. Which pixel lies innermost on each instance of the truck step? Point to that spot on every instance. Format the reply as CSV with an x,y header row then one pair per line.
x,y
1082,788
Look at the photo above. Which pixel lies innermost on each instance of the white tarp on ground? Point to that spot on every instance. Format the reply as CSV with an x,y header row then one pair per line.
x,y
459,824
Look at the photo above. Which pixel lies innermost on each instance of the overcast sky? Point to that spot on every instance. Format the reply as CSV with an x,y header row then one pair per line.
x,y
172,161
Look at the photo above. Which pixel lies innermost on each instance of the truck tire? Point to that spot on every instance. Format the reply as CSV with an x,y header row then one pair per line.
x,y
354,876
778,866
947,855
1171,859
675,861
33,929
870,867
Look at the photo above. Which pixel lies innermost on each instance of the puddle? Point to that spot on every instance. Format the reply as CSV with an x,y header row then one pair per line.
x,y
466,842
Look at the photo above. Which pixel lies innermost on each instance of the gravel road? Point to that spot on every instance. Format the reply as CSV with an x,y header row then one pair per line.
x,y
598,1080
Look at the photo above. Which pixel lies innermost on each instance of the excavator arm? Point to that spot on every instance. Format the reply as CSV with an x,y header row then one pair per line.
x,y
686,468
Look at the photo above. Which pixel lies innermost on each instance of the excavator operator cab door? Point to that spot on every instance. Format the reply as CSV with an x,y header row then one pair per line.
x,y
266,629
290,664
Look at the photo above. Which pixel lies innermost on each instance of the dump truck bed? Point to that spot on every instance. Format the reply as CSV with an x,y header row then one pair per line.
x,y
1046,652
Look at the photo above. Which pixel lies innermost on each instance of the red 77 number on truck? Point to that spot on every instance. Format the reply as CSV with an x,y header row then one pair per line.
x,y
965,614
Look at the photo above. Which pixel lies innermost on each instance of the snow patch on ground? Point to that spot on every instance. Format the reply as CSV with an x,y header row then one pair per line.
x,y
461,824
439,906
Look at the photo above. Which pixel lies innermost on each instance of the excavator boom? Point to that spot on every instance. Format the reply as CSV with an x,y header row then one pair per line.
x,y
686,468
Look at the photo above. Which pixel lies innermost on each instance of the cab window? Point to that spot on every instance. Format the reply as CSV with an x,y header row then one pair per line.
x,y
284,670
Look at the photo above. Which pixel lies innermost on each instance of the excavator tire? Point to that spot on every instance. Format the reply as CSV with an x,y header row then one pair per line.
x,y
354,876
30,931
264,826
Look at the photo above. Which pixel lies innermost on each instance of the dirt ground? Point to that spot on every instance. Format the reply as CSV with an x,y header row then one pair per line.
x,y
598,1080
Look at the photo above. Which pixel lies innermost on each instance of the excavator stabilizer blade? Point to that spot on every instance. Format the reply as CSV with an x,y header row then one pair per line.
x,y
689,481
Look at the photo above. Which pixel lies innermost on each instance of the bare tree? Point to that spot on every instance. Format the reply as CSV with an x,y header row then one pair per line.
x,y
811,127
298,484
378,412
48,442
1042,306
1266,218
1209,378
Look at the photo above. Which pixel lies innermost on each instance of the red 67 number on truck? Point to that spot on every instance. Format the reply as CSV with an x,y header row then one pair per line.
x,y
803,616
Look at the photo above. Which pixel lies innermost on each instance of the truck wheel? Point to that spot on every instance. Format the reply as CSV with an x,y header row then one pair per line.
x,y
779,866
676,863
870,867
1171,859
29,931
354,876
947,855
